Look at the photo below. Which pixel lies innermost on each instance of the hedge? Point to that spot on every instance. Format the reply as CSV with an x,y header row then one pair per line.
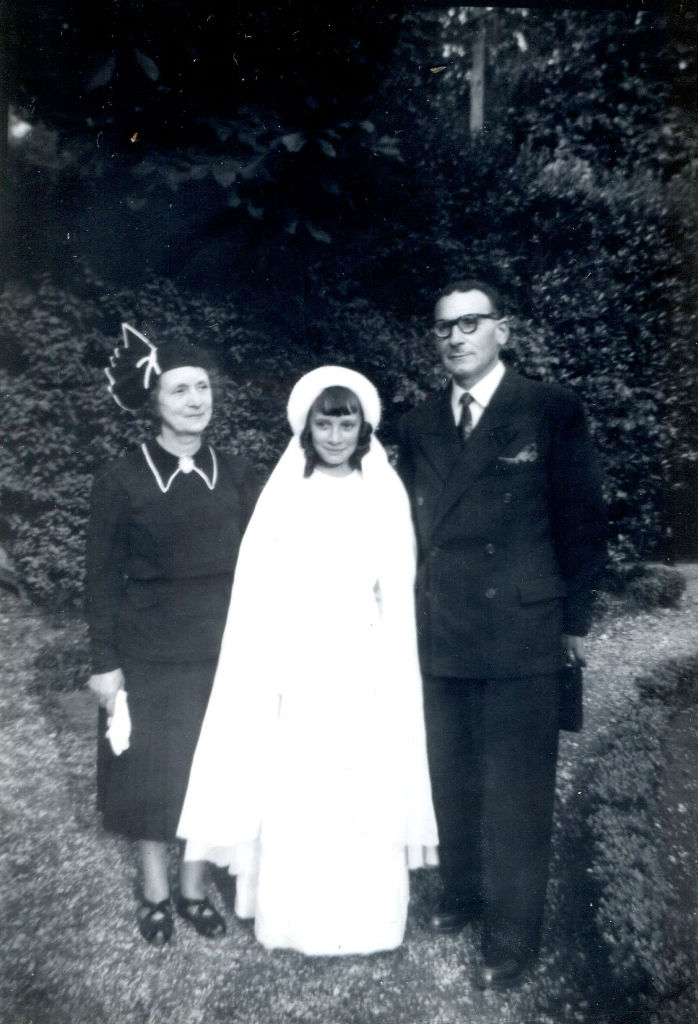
x,y
61,424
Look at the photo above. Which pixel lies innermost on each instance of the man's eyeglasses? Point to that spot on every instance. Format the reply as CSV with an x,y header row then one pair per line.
x,y
468,323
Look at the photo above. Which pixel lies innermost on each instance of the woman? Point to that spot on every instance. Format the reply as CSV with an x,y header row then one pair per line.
x,y
310,778
165,527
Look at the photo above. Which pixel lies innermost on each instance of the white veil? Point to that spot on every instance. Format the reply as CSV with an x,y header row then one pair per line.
x,y
230,773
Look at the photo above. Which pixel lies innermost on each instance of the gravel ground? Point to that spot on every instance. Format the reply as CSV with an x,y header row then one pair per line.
x,y
71,951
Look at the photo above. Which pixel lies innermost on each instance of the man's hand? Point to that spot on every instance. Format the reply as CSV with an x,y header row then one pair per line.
x,y
573,648
105,686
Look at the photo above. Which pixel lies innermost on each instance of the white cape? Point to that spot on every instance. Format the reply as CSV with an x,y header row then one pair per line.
x,y
310,778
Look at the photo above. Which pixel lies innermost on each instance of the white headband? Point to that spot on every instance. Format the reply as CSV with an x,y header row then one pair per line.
x,y
307,389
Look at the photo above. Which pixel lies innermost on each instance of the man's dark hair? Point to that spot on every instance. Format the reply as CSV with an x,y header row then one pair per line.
x,y
473,285
336,401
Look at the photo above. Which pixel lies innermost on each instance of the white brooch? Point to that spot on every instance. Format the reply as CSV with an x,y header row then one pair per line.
x,y
527,454
185,464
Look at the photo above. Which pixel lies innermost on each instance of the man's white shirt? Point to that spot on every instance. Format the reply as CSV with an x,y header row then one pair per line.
x,y
482,393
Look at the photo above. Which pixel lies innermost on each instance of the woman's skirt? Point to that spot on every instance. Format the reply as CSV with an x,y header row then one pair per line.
x,y
140,792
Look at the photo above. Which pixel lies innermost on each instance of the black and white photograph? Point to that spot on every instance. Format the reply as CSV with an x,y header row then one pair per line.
x,y
348,512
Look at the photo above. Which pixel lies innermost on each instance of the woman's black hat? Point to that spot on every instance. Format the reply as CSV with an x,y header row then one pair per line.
x,y
137,363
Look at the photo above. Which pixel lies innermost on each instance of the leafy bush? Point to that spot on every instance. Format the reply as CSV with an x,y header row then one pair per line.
x,y
629,863
643,587
589,258
64,424
578,198
598,286
63,662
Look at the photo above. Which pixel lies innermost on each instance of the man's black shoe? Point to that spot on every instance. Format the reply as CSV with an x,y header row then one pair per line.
x,y
505,974
450,916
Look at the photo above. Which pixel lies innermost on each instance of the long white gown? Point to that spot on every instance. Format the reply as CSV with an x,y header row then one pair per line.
x,y
310,779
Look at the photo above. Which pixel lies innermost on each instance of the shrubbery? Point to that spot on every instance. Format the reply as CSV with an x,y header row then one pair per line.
x,y
596,263
629,849
62,423
578,199
589,259
642,587
622,882
62,663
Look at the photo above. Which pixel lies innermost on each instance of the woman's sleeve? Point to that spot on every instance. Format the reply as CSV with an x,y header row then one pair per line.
x,y
251,488
106,560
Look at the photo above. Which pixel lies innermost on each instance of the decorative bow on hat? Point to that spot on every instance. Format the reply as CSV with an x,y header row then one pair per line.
x,y
137,363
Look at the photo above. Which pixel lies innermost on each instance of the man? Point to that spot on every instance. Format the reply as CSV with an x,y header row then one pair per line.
x,y
511,524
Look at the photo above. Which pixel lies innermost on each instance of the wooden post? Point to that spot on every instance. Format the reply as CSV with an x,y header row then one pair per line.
x,y
477,79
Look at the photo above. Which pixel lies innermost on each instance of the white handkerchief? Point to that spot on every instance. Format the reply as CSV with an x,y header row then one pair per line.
x,y
119,725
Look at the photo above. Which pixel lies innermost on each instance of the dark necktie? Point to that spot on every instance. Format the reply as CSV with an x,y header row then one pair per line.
x,y
465,423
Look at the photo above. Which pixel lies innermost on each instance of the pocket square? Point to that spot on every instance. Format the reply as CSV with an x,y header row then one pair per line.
x,y
529,453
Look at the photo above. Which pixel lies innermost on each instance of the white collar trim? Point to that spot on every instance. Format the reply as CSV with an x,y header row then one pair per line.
x,y
186,465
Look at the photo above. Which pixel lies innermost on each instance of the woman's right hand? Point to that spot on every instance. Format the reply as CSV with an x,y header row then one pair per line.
x,y
105,686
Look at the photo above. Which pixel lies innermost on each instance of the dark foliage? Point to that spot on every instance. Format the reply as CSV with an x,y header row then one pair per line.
x,y
629,854
619,902
64,424
643,587
578,200
250,106
63,661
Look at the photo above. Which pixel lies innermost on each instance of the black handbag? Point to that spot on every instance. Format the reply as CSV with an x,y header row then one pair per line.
x,y
571,703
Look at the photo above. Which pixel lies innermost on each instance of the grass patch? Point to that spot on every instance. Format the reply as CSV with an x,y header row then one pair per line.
x,y
619,913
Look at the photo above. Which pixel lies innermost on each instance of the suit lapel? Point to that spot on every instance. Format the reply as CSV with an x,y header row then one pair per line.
x,y
438,438
497,427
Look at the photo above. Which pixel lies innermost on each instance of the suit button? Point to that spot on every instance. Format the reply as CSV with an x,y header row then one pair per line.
x,y
507,498
489,549
420,500
490,592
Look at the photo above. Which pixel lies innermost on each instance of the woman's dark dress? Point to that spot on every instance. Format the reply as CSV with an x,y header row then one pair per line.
x,y
162,547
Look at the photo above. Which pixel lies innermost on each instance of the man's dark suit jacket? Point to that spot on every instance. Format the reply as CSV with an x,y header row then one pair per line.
x,y
511,530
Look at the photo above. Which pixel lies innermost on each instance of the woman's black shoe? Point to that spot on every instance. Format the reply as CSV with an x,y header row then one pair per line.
x,y
155,921
203,915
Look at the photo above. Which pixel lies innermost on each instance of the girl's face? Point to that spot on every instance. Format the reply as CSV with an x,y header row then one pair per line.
x,y
184,401
335,439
